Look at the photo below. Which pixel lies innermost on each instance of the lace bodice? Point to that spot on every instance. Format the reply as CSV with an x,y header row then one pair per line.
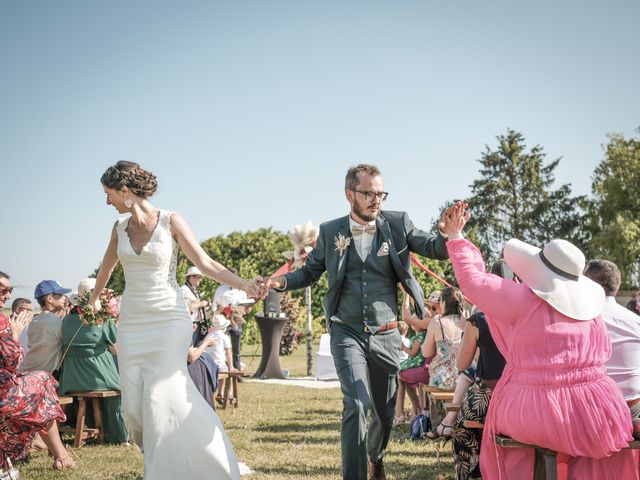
x,y
156,263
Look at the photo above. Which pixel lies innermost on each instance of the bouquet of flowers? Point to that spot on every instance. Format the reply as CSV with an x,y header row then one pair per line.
x,y
109,311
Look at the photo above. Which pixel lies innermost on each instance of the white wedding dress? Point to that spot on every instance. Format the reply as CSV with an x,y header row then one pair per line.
x,y
166,416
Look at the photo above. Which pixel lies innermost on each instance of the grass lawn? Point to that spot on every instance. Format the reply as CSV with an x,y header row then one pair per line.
x,y
282,432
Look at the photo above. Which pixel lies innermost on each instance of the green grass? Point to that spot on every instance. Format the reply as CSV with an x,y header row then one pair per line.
x,y
281,432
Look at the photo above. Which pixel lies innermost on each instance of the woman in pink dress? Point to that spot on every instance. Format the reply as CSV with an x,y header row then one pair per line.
x,y
554,391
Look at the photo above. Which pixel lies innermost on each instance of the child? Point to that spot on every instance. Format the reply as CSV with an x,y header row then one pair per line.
x,y
221,350
403,329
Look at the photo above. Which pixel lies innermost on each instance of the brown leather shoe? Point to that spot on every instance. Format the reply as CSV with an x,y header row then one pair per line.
x,y
376,470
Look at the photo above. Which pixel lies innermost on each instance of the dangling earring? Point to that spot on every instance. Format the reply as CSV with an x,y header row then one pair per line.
x,y
128,203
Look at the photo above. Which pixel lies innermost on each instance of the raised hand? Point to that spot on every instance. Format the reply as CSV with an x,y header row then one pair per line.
x,y
19,322
454,219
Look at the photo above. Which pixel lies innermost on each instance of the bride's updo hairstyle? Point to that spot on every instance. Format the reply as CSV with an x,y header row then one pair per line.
x,y
139,181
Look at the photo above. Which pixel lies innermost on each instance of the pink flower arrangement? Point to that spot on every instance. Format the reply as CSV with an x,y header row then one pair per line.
x,y
109,308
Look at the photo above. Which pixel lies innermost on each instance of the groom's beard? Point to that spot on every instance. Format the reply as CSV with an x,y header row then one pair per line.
x,y
364,213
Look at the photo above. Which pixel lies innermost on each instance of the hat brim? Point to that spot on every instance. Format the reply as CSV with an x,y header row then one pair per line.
x,y
220,327
580,299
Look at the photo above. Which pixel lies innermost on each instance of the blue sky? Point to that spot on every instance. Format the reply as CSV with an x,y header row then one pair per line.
x,y
250,112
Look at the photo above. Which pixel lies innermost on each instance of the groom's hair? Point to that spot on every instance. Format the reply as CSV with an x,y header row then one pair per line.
x,y
351,180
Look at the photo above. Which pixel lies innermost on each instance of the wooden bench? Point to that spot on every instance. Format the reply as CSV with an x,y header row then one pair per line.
x,y
82,433
64,400
451,407
230,396
437,399
472,424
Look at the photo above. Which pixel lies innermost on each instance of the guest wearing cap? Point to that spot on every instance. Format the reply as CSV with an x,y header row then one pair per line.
x,y
89,365
553,391
28,401
45,331
624,329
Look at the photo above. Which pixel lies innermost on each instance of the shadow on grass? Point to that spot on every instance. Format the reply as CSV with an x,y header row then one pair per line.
x,y
302,439
128,476
302,426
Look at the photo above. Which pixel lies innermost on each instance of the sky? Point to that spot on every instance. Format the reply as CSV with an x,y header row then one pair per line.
x,y
251,112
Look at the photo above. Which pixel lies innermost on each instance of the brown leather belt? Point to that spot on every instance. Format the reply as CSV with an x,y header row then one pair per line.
x,y
387,326
383,328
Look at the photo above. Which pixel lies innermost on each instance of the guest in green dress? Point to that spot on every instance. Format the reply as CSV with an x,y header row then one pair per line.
x,y
89,364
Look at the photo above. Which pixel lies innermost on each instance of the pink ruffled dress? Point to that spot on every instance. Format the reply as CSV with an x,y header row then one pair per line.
x,y
554,391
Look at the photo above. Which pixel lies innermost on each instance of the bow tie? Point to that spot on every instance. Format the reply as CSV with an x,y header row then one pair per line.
x,y
357,230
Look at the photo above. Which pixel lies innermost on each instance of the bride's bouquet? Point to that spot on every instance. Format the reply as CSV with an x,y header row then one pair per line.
x,y
109,308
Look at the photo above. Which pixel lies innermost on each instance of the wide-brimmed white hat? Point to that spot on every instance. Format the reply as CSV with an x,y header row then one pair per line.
x,y
554,273
219,322
194,271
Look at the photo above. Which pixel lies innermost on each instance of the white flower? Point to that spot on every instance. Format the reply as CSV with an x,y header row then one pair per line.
x,y
342,243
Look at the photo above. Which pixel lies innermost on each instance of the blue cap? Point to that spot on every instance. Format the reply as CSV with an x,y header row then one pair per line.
x,y
46,287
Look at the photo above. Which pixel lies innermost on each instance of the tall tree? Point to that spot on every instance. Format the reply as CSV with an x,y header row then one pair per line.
x,y
616,190
515,198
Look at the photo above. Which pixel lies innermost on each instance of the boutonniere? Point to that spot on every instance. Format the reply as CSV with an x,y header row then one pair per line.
x,y
342,243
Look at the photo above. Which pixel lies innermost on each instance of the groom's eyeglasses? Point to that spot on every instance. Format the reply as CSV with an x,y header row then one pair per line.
x,y
4,290
369,196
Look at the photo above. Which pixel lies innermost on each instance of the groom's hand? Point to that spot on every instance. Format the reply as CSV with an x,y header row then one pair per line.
x,y
274,282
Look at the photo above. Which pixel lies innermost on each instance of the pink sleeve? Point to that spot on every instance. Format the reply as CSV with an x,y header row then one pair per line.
x,y
11,352
499,298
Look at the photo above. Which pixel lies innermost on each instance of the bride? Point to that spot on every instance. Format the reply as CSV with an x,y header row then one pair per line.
x,y
181,436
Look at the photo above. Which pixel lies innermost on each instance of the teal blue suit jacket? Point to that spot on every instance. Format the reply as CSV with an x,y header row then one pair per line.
x,y
401,236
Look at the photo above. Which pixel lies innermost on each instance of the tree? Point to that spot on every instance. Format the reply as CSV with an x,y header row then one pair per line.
x,y
616,207
515,198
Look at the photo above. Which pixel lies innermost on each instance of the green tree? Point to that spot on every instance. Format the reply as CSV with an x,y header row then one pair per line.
x,y
515,198
616,207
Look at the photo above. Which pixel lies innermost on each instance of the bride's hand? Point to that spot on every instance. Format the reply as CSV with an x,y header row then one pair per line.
x,y
95,306
254,288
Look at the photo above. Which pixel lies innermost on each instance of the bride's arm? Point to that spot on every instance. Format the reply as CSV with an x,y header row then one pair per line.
x,y
206,264
109,262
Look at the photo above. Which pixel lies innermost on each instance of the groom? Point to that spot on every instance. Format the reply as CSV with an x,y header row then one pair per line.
x,y
365,255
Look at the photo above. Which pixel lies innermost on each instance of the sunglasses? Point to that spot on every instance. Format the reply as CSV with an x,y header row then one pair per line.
x,y
4,290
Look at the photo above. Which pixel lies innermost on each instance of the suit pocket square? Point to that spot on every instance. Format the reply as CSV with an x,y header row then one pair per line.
x,y
384,250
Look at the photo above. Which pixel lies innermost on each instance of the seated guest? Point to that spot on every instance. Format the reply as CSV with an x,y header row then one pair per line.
x,y
466,441
443,340
413,370
553,392
433,308
624,329
403,329
634,303
17,306
45,331
28,401
202,369
89,365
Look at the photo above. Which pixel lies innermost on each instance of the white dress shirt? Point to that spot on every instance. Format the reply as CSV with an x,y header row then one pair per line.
x,y
624,365
362,242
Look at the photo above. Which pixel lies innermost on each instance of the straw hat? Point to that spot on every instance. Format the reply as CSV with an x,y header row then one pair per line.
x,y
554,273
84,286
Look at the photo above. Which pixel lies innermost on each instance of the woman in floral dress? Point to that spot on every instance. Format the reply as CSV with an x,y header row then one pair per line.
x,y
28,401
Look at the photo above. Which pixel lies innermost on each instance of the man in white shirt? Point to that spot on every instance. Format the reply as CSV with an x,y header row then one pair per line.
x,y
45,330
624,329
195,304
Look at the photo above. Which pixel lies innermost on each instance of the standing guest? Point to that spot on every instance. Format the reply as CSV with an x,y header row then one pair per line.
x,y
365,254
45,331
239,305
624,329
195,304
17,306
28,401
89,365
554,391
